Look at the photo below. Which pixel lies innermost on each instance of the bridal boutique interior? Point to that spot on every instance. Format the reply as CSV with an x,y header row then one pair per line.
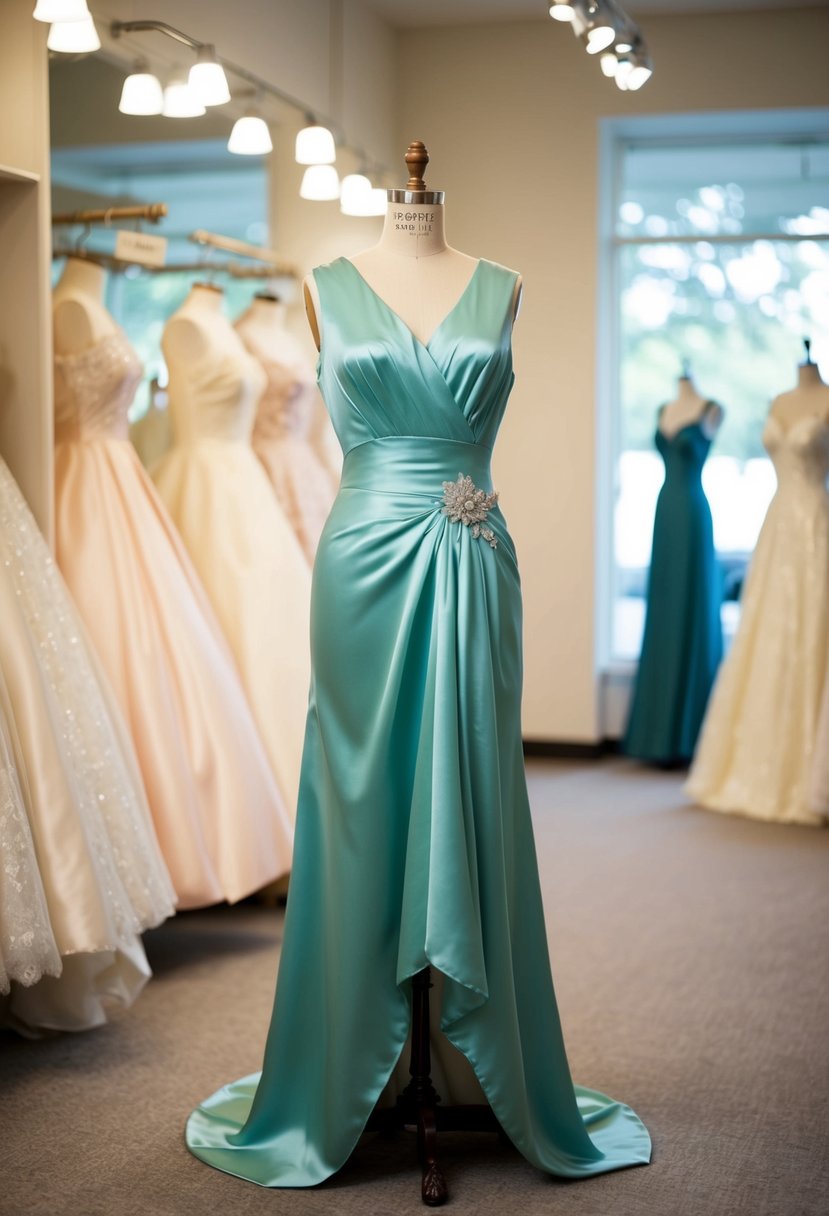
x,y
658,173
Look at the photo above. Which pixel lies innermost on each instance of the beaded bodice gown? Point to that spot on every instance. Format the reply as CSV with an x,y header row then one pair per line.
x,y
682,643
414,842
240,541
757,750
222,823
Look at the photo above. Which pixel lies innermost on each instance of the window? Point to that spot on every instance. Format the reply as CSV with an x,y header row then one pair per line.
x,y
721,258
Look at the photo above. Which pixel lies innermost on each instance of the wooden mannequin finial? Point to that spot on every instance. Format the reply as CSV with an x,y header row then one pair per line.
x,y
417,158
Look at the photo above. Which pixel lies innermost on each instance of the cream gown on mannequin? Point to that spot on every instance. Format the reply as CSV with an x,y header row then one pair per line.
x,y
759,737
82,873
237,535
221,821
281,433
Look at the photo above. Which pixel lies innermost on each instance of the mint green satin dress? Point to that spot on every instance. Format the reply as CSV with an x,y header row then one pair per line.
x,y
414,844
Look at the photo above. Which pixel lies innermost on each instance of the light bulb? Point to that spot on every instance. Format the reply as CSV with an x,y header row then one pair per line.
x,y
179,101
142,93
599,38
51,11
250,136
74,37
608,63
320,183
355,194
560,10
638,75
207,78
315,146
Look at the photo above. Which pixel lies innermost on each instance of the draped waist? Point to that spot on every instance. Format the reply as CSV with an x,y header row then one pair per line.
x,y
414,464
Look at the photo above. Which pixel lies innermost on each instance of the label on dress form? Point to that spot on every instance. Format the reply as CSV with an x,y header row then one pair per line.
x,y
140,247
417,221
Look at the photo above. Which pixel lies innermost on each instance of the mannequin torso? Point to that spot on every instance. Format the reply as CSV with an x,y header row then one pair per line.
x,y
412,269
262,329
79,317
810,399
687,408
198,327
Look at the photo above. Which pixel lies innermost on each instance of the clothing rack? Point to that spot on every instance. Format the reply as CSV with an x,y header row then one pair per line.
x,y
152,212
229,244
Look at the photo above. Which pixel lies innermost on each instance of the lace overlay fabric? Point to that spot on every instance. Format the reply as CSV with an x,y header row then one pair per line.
x,y
131,889
760,736
94,390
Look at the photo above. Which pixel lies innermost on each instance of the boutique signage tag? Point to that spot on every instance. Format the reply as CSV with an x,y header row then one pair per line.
x,y
141,248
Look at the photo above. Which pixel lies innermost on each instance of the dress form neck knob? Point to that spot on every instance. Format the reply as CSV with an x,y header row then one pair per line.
x,y
415,192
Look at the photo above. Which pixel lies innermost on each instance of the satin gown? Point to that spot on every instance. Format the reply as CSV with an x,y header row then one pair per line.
x,y
414,841
682,644
81,875
758,743
222,823
241,544
281,440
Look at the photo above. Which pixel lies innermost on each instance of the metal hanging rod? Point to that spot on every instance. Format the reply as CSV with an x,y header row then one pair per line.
x,y
229,244
117,28
104,215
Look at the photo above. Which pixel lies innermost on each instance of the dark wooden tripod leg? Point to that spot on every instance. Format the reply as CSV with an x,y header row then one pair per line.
x,y
420,1095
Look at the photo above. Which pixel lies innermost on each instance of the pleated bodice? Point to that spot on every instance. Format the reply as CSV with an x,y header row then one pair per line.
x,y
217,398
94,390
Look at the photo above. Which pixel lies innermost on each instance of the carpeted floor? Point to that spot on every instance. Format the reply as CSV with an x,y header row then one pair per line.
x,y
692,964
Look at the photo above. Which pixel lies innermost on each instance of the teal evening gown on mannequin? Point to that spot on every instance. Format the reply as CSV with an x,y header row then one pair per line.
x,y
682,644
414,844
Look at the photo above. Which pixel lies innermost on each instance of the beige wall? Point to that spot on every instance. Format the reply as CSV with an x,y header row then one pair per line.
x,y
510,115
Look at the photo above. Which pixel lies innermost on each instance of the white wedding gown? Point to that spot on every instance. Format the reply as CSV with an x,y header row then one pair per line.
x,y
81,875
759,738
819,788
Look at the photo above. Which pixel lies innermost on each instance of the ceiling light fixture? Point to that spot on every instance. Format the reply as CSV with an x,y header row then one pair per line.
x,y
179,100
320,183
315,146
608,63
355,194
207,78
51,11
560,10
142,92
250,136
77,37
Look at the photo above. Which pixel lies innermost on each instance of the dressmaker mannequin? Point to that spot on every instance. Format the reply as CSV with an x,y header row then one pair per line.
x,y
412,268
79,317
689,407
193,331
810,399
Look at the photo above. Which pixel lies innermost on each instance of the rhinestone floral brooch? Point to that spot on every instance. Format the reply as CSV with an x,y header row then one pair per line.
x,y
465,504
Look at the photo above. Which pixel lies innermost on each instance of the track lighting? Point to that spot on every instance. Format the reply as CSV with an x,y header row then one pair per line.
x,y
141,92
250,136
560,10
320,183
315,146
207,78
76,37
609,33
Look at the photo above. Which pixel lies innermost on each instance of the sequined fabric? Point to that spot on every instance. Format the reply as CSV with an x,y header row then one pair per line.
x,y
759,737
27,945
94,390
97,855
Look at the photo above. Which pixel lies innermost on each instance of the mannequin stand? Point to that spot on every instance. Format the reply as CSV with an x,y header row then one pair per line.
x,y
418,1105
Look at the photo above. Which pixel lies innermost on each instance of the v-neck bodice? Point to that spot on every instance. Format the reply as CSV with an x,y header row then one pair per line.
x,y
379,380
